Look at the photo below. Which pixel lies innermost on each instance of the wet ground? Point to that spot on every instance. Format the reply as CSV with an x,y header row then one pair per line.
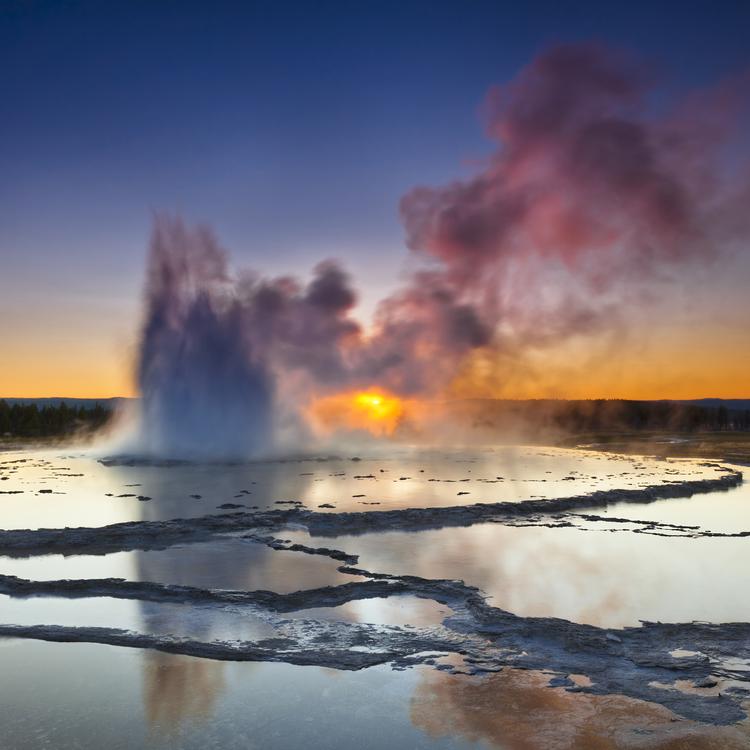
x,y
490,598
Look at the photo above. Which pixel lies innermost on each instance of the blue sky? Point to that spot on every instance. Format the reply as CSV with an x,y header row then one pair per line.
x,y
293,128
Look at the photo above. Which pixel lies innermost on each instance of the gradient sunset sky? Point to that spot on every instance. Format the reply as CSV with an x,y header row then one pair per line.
x,y
294,129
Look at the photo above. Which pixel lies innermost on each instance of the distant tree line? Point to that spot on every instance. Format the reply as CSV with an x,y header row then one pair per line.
x,y
604,415
599,415
29,420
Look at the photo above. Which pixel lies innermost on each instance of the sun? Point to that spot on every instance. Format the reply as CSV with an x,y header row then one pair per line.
x,y
373,410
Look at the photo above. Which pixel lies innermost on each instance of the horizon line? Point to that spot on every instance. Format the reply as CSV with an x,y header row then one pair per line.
x,y
465,398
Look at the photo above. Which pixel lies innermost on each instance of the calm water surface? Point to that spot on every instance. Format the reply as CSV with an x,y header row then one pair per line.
x,y
88,696
85,696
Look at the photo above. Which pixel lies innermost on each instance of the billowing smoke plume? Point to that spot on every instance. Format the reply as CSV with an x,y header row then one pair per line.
x,y
588,196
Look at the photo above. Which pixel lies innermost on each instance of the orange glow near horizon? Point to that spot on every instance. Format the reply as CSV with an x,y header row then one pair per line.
x,y
372,410
677,364
73,371
721,372
668,363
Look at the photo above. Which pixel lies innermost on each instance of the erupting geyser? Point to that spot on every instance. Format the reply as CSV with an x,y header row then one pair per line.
x,y
203,392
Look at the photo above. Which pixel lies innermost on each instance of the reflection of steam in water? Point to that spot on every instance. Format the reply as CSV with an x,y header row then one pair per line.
x,y
515,710
177,689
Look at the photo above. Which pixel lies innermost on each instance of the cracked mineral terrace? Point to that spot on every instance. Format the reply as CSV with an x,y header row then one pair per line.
x,y
628,661
160,534
639,662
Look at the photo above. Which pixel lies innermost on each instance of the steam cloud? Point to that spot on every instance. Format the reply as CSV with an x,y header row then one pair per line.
x,y
202,385
585,186
589,194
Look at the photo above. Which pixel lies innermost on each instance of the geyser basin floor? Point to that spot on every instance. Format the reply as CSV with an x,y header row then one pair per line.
x,y
222,564
608,572
605,577
724,512
151,617
78,695
53,489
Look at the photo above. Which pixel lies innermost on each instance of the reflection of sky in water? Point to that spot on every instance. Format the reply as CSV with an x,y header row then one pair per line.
x,y
226,564
718,511
514,710
77,695
393,610
85,696
71,695
597,577
201,623
411,478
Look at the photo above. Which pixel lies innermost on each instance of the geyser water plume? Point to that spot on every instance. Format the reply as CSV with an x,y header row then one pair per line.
x,y
204,393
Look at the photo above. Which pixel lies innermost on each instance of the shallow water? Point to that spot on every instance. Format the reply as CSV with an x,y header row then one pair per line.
x,y
57,490
231,563
62,696
392,610
722,511
608,574
77,695
146,617
599,577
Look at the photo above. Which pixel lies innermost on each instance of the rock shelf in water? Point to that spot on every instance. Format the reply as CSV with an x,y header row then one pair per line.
x,y
161,534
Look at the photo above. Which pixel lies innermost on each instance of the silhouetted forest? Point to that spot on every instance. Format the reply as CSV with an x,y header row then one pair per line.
x,y
30,420
47,419
603,415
